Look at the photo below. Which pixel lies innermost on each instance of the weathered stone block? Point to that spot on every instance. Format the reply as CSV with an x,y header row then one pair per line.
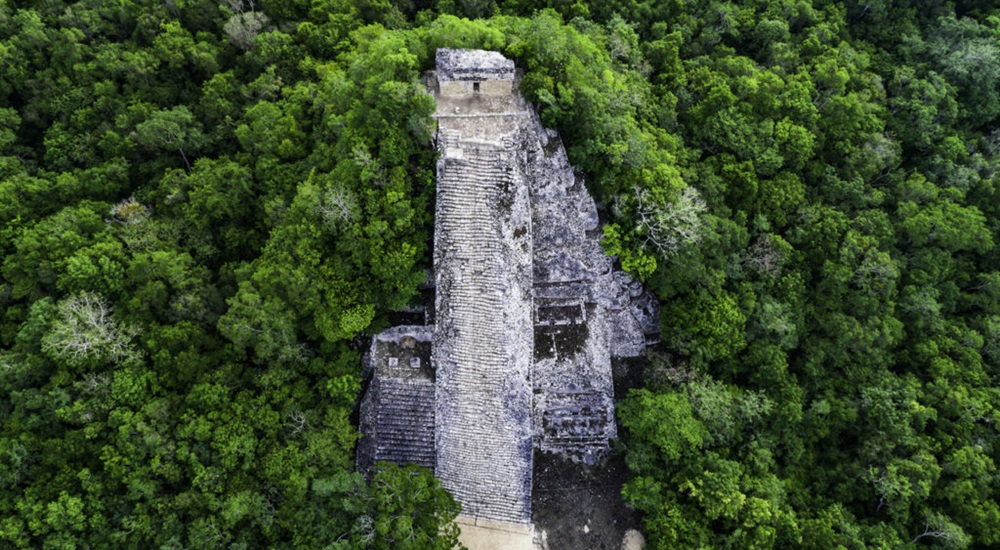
x,y
528,311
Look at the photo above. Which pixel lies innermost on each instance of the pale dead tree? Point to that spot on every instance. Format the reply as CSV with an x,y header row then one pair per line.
x,y
6,363
365,525
137,235
371,169
242,28
946,533
95,384
932,532
763,257
661,370
666,227
338,205
293,352
128,212
882,486
992,142
297,422
87,330
241,6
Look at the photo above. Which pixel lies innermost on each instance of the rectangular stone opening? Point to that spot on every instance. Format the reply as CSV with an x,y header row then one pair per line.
x,y
572,314
475,87
559,341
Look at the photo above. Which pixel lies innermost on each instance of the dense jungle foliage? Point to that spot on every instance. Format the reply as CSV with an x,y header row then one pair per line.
x,y
205,208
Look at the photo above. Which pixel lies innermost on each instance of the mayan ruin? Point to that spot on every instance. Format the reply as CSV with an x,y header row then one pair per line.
x,y
528,312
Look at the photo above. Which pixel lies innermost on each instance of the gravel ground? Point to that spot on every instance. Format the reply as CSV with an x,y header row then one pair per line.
x,y
577,507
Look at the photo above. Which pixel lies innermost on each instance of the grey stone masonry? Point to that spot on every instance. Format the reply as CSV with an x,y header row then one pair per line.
x,y
404,422
574,392
472,65
397,413
473,73
483,334
528,310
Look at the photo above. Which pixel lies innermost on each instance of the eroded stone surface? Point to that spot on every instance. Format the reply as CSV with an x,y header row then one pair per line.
x,y
528,310
398,408
483,337
464,72
574,394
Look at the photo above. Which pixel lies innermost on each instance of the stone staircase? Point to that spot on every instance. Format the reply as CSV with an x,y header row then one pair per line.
x,y
401,428
484,425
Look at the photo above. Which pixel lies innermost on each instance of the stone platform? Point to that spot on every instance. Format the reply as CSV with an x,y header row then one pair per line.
x,y
482,534
528,312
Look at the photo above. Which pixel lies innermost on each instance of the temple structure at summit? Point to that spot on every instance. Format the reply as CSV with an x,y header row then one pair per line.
x,y
528,310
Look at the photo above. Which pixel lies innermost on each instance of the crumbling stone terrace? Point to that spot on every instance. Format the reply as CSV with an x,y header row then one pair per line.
x,y
528,309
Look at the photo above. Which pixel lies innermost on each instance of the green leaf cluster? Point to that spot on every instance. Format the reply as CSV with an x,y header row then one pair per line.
x,y
206,209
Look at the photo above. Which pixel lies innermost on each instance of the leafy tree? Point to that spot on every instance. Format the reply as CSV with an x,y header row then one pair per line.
x,y
203,207
175,129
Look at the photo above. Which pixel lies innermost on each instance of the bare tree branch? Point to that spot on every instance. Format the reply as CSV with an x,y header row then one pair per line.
x,y
667,227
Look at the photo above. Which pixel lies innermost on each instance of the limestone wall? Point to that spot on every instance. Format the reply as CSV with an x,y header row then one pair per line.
x,y
400,428
397,413
528,310
472,65
574,391
468,87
